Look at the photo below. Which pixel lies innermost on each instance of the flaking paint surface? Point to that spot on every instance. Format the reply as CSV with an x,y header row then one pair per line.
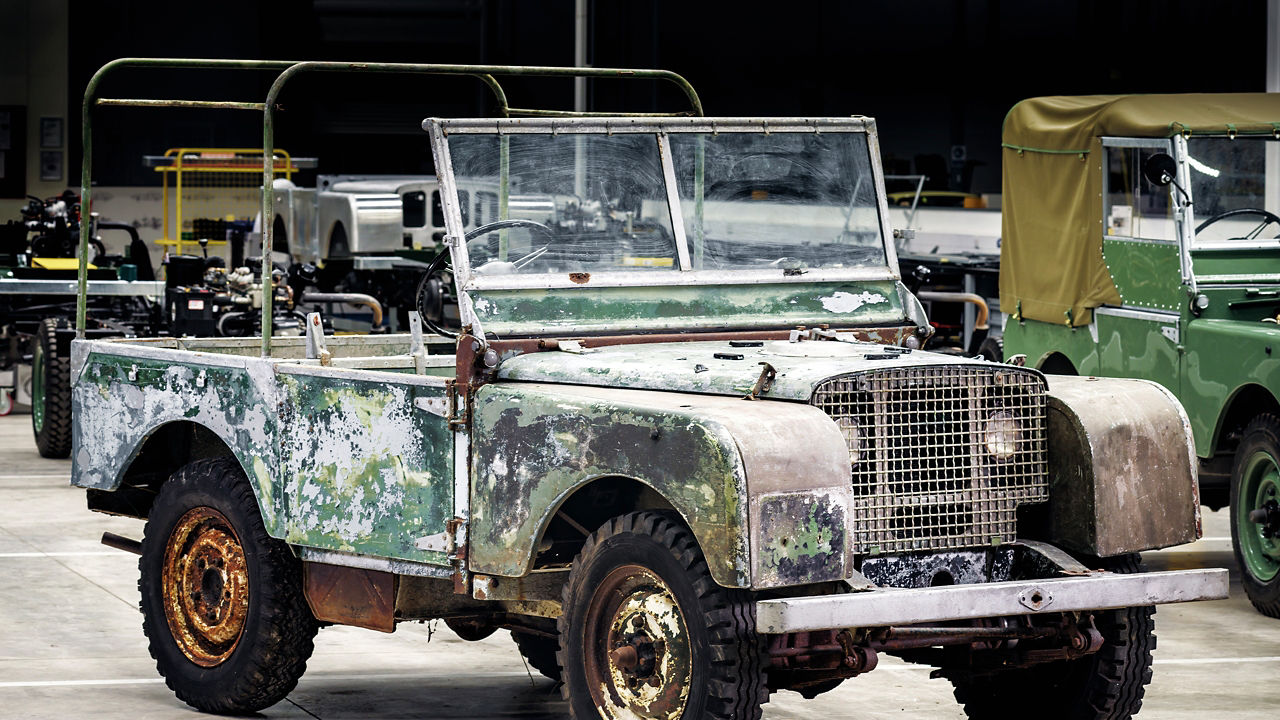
x,y
365,470
114,414
801,538
694,367
672,308
535,444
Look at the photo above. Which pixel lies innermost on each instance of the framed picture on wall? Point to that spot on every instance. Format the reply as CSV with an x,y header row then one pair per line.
x,y
50,164
13,151
50,132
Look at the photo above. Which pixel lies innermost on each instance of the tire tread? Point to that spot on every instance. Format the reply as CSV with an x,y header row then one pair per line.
x,y
53,440
737,683
282,641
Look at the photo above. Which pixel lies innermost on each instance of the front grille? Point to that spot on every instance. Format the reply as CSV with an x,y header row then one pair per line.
x,y
942,455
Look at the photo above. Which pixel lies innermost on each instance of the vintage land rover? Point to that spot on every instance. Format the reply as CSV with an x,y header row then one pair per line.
x,y
685,448
1142,239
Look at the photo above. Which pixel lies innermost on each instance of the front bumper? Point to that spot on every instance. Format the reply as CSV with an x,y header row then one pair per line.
x,y
895,606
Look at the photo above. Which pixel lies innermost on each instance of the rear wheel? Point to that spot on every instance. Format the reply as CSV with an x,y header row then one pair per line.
x,y
222,602
50,392
647,633
1255,513
1107,685
540,652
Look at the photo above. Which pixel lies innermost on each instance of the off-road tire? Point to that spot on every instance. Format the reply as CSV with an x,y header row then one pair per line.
x,y
540,652
1259,442
992,348
51,421
271,650
726,679
1108,685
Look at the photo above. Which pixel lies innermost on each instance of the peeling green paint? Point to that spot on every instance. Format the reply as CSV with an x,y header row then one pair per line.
x,y
535,444
694,367
673,308
121,400
802,538
358,460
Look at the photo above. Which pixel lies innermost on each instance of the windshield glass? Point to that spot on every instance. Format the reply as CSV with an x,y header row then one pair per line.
x,y
581,202
572,203
789,200
1229,187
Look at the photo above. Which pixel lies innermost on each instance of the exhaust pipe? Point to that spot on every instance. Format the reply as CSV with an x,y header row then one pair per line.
x,y
121,542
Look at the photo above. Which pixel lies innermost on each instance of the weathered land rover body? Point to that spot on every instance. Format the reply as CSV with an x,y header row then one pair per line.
x,y
686,452
1142,239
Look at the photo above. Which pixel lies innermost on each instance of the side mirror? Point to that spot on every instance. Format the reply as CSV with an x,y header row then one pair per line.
x,y
1160,169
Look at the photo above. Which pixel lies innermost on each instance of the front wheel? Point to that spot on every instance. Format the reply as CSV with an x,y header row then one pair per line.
x,y
1255,513
647,633
1107,685
222,602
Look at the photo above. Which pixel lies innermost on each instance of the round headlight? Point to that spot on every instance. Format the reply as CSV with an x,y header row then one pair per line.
x,y
852,438
1002,434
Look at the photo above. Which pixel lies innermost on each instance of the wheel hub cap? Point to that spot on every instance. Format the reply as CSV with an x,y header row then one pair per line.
x,y
205,585
639,660
1258,518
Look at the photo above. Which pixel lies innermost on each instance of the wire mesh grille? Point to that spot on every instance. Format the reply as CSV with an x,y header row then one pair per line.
x,y
942,455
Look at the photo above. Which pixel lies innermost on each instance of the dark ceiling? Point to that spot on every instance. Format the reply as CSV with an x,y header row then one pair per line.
x,y
936,74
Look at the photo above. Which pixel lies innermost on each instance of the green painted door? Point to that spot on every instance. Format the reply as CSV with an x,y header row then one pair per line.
x,y
1141,246
1140,344
368,463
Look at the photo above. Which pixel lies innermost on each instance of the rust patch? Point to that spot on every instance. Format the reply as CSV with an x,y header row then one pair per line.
x,y
351,596
580,277
205,586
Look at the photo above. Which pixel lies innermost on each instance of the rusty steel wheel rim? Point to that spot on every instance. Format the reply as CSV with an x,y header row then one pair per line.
x,y
205,586
637,652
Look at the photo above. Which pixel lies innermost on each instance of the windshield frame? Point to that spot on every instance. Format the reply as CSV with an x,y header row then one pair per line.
x,y
1185,216
467,281
1193,221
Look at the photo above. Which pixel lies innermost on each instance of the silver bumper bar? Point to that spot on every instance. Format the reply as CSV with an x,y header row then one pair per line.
x,y
894,606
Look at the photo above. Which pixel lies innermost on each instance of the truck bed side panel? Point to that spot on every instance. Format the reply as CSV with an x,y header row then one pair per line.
x,y
125,393
365,467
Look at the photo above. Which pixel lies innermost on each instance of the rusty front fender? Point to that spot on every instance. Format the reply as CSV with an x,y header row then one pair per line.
x,y
764,485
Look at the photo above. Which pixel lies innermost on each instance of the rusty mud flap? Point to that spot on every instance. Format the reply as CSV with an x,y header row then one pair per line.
x,y
895,606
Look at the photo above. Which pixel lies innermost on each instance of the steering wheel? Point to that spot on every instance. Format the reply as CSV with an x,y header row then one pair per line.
x,y
428,300
1267,219
547,233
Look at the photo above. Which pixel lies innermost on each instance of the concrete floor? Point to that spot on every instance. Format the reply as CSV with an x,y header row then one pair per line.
x,y
71,641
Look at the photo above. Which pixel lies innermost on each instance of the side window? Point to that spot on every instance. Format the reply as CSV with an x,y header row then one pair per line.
x,y
437,210
1134,208
414,209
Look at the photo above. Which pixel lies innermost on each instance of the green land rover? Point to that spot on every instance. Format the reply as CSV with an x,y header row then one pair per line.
x,y
1142,240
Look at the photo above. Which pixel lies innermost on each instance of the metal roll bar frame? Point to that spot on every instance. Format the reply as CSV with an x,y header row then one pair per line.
x,y
487,74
